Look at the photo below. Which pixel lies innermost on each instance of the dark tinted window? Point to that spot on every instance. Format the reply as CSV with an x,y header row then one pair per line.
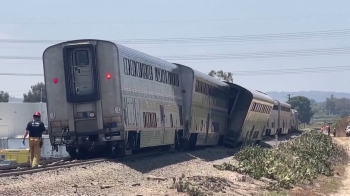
x,y
82,57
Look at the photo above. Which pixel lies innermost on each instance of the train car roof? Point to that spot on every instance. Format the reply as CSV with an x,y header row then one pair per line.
x,y
285,104
145,56
205,77
209,78
255,93
261,96
122,48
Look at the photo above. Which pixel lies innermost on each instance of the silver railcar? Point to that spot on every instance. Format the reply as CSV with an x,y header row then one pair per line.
x,y
295,120
206,108
104,95
249,111
280,120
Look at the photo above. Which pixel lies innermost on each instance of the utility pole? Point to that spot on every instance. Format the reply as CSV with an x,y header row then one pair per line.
x,y
289,97
41,95
41,100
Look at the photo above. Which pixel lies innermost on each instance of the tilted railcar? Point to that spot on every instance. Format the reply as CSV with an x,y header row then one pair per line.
x,y
104,95
207,107
249,111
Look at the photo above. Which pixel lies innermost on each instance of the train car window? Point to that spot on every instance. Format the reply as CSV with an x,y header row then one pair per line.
x,y
171,120
170,76
196,86
132,68
156,73
180,115
275,107
215,126
159,75
139,69
144,120
126,67
155,119
177,82
81,57
165,76
253,107
144,71
150,72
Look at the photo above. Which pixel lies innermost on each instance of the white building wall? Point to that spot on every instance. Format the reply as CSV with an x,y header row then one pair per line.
x,y
15,116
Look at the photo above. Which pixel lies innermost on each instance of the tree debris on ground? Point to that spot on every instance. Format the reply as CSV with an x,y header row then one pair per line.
x,y
295,162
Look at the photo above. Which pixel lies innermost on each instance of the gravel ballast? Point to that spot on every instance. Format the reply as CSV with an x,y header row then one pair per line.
x,y
143,176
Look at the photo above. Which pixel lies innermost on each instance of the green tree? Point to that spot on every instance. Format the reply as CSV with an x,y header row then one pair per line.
x,y
36,93
303,106
344,113
4,96
221,75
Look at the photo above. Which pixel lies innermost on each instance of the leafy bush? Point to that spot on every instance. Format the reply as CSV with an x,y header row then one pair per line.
x,y
297,161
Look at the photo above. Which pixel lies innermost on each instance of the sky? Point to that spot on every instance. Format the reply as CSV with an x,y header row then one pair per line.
x,y
243,37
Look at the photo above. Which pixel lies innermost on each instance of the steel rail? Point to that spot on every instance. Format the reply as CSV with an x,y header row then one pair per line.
x,y
42,162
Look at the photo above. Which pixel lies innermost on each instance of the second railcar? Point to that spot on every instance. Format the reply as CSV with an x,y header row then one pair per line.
x,y
206,107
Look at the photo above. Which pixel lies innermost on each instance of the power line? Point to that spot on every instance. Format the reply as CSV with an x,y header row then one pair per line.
x,y
237,56
213,39
307,70
169,21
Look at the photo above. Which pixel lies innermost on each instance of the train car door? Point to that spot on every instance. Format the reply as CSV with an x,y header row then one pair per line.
x,y
162,121
207,128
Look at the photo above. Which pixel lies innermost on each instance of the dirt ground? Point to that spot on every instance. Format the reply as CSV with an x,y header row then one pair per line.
x,y
345,188
340,127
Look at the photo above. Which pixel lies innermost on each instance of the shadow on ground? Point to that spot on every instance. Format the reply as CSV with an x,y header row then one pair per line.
x,y
270,142
152,162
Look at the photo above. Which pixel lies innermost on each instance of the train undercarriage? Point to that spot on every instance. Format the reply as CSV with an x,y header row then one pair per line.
x,y
120,148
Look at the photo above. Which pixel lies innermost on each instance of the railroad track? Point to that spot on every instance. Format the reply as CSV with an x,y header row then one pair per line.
x,y
21,171
42,162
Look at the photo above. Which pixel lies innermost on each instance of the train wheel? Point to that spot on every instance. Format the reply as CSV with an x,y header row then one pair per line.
x,y
72,152
257,142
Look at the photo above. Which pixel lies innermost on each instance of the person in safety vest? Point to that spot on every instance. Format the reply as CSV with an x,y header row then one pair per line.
x,y
35,128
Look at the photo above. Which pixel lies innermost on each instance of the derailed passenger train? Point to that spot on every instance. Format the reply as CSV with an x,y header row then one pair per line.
x,y
105,97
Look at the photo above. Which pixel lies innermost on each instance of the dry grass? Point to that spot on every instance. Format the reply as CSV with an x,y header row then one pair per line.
x,y
323,185
341,126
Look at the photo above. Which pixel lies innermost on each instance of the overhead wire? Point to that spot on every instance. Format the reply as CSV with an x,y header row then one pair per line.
x,y
233,56
169,21
212,39
307,70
